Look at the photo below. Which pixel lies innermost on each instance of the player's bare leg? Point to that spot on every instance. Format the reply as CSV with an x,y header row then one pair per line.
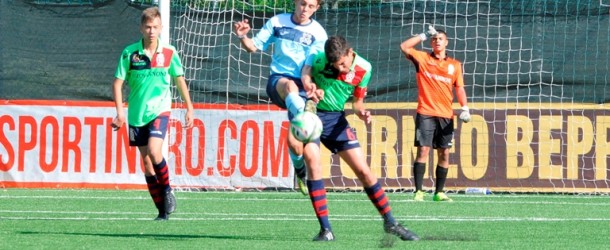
x,y
289,91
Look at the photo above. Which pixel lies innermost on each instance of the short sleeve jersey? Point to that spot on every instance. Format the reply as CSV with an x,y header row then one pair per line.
x,y
292,43
149,80
436,79
339,87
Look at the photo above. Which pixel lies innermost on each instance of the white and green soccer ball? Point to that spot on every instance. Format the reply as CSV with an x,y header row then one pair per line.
x,y
306,126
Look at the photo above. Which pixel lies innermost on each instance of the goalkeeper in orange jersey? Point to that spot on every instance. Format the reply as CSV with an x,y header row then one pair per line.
x,y
437,75
147,66
342,75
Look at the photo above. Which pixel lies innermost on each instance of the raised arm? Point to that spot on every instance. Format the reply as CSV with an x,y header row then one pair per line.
x,y
411,42
241,29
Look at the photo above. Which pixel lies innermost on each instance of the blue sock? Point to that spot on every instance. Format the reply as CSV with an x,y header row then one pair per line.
x,y
295,104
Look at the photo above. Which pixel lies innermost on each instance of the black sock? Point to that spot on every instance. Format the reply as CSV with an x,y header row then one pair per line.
x,y
418,173
441,176
301,172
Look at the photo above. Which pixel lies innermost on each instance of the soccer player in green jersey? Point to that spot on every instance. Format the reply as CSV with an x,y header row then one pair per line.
x,y
148,67
340,75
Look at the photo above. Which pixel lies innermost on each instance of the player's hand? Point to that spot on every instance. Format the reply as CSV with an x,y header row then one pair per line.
x,y
465,115
313,92
117,122
365,116
319,95
188,119
429,33
241,28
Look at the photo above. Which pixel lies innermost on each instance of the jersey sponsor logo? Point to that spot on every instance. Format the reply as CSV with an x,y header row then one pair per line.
x,y
145,74
294,35
442,79
138,62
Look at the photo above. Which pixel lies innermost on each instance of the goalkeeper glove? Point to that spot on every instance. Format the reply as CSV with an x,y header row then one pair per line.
x,y
431,32
465,115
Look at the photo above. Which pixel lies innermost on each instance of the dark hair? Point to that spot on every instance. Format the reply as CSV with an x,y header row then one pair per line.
x,y
336,47
441,32
150,13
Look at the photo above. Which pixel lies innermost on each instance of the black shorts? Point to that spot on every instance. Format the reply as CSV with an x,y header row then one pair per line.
x,y
138,136
433,131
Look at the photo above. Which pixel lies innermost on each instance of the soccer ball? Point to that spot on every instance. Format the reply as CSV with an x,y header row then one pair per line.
x,y
306,126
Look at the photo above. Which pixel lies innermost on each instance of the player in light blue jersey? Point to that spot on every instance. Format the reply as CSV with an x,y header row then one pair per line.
x,y
294,37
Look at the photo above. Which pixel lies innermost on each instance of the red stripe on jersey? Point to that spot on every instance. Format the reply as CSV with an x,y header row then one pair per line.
x,y
359,92
353,77
163,59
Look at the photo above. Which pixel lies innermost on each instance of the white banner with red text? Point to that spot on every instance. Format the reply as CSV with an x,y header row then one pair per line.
x,y
72,145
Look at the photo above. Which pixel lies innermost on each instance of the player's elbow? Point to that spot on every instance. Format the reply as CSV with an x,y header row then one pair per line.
x,y
404,47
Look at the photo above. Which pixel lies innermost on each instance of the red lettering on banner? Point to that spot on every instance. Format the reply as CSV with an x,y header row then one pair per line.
x,y
93,123
69,145
226,125
24,145
249,125
198,168
272,155
49,122
10,151
174,148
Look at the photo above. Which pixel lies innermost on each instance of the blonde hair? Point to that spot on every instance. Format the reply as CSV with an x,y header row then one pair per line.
x,y
150,14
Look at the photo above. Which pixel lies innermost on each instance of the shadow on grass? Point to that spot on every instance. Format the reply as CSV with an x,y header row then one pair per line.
x,y
153,236
450,237
388,240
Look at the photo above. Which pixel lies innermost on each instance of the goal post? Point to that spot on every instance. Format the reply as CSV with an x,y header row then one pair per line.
x,y
536,76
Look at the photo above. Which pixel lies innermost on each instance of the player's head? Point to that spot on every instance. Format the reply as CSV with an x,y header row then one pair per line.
x,y
339,53
439,41
304,9
150,23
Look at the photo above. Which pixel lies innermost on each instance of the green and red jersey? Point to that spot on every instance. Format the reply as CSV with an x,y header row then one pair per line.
x,y
149,80
339,87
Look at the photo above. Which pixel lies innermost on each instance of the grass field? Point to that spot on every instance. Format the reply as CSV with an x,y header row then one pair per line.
x,y
118,219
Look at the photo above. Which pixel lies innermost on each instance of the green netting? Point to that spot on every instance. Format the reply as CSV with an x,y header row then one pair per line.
x,y
69,2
